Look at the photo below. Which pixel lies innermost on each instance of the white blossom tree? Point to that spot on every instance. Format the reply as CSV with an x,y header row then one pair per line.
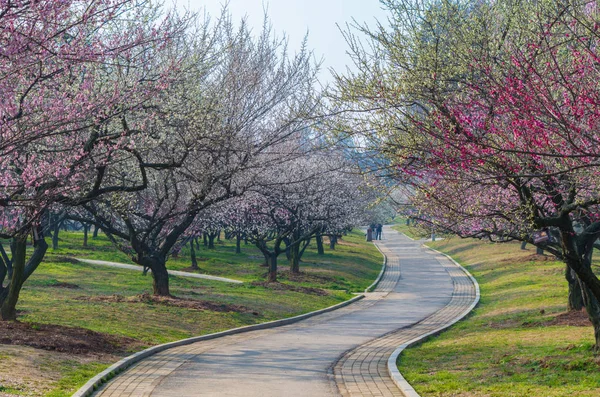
x,y
241,98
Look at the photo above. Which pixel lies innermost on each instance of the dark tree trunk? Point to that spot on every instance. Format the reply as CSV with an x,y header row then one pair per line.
x,y
8,310
86,227
5,265
193,255
577,252
523,244
22,269
332,242
161,282
95,235
288,253
152,251
270,258
539,251
219,236
590,301
575,301
3,274
55,232
211,241
160,276
205,239
593,310
197,240
319,239
294,258
4,291
272,261
297,251
48,220
238,243
303,248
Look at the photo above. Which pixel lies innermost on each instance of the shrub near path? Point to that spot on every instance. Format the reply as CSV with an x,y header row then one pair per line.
x,y
518,342
81,318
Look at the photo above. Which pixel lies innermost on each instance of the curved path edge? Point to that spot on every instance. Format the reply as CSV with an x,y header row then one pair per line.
x,y
383,267
93,384
392,366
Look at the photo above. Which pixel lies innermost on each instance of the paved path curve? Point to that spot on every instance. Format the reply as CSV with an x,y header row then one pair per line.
x,y
171,272
341,352
364,371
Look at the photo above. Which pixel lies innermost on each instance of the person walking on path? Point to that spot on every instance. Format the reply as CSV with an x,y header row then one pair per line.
x,y
378,230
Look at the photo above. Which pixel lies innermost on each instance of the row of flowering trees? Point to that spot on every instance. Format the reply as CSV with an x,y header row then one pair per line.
x,y
146,124
488,112
296,201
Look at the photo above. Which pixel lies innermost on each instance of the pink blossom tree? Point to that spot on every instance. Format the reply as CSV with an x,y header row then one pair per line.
x,y
70,73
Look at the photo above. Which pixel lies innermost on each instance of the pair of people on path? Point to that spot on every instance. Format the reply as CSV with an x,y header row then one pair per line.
x,y
377,229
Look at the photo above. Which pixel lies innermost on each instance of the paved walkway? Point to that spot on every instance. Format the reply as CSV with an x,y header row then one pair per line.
x,y
171,272
363,371
341,352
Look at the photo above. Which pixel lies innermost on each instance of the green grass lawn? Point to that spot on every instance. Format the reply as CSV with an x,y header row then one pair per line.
x,y
507,347
351,266
44,299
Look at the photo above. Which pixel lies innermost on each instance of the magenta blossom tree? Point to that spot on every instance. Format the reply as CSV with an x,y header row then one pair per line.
x,y
498,136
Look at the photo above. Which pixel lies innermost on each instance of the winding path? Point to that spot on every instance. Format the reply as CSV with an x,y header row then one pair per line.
x,y
338,353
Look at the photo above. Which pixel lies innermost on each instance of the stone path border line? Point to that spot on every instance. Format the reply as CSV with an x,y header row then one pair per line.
x,y
371,370
383,267
392,366
171,272
94,384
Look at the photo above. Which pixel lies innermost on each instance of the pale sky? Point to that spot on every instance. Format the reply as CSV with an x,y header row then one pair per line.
x,y
296,17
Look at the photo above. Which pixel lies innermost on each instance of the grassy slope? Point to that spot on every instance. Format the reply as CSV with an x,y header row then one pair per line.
x,y
350,268
504,348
